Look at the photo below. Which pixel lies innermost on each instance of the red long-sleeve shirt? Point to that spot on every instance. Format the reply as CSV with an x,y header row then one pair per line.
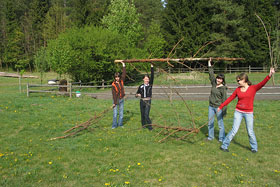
x,y
245,102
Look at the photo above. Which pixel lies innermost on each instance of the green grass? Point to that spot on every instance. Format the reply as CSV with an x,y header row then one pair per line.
x,y
100,156
203,78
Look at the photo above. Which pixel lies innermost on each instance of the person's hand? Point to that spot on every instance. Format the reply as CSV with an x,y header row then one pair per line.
x,y
209,62
218,110
138,95
271,72
152,65
123,64
114,105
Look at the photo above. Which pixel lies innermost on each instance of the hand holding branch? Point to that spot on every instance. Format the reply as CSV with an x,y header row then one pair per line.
x,y
209,62
271,72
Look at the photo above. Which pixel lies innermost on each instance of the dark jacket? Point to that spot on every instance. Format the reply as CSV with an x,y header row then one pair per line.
x,y
146,90
118,88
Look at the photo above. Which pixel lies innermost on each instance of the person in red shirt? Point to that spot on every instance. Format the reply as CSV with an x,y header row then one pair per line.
x,y
244,109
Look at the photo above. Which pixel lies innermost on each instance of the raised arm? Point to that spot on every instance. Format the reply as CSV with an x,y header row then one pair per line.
x,y
123,72
266,79
152,75
211,73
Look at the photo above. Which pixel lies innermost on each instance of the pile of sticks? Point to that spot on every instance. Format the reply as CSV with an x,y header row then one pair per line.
x,y
83,126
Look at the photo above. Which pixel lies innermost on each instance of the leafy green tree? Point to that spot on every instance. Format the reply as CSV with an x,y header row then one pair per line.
x,y
124,19
155,42
87,54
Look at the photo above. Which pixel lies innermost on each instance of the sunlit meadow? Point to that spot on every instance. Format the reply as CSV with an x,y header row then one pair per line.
x,y
128,156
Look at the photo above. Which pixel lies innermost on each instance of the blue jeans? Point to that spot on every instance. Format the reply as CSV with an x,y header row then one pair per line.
x,y
249,120
211,112
120,105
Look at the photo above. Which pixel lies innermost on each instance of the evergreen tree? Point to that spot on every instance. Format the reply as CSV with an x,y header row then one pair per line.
x,y
226,28
256,51
187,19
87,12
149,11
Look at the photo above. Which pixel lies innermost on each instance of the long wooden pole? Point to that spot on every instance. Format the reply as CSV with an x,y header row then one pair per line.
x,y
178,59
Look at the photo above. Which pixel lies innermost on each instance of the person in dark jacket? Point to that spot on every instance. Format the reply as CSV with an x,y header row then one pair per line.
x,y
145,92
118,97
217,96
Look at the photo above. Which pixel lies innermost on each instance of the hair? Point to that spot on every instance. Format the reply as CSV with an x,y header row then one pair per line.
x,y
222,76
117,74
244,76
146,75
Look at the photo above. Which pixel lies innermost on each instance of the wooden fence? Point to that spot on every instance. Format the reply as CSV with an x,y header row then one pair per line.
x,y
193,92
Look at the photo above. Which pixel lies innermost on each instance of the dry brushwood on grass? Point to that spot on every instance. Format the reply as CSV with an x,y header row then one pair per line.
x,y
84,125
166,129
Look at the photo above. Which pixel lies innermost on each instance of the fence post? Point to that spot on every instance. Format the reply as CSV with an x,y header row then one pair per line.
x,y
27,89
229,69
170,97
102,84
70,87
249,69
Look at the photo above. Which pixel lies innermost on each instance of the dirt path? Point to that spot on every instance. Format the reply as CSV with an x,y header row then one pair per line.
x,y
191,92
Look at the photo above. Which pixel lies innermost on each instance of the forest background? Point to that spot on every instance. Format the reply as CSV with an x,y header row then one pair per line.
x,y
82,38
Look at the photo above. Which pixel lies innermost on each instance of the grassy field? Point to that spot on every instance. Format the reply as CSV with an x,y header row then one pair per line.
x,y
128,156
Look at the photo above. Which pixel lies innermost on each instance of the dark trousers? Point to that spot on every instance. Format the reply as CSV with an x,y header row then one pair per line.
x,y
145,106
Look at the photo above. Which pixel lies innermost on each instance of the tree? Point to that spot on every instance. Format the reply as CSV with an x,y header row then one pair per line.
x,y
87,12
87,54
124,19
226,28
187,20
150,11
256,51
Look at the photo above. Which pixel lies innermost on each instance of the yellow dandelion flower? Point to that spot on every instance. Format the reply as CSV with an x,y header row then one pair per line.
x,y
1,154
50,163
233,154
65,176
111,170
159,180
138,163
126,182
241,182
29,173
215,172
117,169
16,160
107,184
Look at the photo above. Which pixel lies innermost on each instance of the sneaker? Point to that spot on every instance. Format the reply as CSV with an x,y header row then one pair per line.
x,y
208,140
225,150
254,151
113,127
